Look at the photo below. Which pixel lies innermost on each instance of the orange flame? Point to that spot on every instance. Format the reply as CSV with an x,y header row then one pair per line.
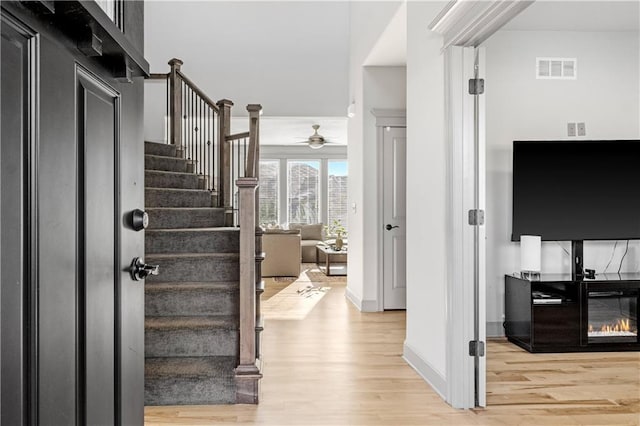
x,y
620,325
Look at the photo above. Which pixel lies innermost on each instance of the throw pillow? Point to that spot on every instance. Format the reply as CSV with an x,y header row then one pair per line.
x,y
311,232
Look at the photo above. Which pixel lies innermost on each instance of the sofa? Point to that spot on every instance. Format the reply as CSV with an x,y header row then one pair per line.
x,y
282,250
310,236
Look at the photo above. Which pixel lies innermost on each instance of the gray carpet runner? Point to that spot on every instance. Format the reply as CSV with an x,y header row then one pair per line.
x,y
191,307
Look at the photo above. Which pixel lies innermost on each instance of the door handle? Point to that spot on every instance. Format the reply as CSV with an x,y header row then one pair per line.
x,y
140,270
389,227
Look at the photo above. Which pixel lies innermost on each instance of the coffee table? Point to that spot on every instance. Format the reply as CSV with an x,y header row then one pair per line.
x,y
335,261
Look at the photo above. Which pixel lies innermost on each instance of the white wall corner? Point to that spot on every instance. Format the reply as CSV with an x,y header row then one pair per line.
x,y
353,298
436,380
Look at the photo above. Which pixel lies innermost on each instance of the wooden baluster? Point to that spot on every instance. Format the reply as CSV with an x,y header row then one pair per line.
x,y
175,106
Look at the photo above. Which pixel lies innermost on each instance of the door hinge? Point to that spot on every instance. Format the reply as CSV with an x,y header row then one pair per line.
x,y
476,347
476,217
476,86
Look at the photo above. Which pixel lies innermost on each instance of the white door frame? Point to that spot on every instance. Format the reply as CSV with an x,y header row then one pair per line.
x,y
466,23
384,118
466,276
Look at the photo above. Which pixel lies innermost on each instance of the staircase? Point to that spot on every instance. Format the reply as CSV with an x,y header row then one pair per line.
x,y
202,312
191,308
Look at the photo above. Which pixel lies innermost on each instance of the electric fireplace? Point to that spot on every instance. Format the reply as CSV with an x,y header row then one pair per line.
x,y
612,315
556,313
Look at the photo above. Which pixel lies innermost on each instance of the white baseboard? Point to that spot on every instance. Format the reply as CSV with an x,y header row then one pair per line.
x,y
362,305
369,306
353,299
495,329
426,371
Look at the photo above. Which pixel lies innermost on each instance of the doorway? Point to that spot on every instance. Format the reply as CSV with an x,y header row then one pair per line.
x,y
392,157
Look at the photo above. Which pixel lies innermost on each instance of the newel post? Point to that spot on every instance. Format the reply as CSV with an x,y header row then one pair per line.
x,y
224,155
247,372
175,105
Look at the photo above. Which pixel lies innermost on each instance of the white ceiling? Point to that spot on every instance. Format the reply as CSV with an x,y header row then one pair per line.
x,y
391,48
550,15
290,130
290,56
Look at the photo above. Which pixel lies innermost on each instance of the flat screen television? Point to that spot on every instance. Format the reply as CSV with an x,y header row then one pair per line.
x,y
576,190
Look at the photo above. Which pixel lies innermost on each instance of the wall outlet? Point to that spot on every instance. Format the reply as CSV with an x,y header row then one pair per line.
x,y
582,129
571,129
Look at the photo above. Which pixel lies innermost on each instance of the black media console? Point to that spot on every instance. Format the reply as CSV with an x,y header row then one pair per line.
x,y
559,314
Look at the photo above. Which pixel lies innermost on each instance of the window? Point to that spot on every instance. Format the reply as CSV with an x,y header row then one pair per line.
x,y
337,192
309,190
303,191
269,194
111,8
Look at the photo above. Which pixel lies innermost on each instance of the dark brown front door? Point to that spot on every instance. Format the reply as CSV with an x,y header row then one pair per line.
x,y
72,319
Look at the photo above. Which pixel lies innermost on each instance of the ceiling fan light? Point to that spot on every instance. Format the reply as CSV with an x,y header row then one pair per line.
x,y
315,145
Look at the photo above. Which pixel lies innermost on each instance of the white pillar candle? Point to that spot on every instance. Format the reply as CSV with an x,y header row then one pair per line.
x,y
530,253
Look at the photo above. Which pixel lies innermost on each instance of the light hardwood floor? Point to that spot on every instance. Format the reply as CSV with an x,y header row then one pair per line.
x,y
338,366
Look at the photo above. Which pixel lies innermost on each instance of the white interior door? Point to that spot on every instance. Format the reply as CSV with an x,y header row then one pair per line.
x,y
394,267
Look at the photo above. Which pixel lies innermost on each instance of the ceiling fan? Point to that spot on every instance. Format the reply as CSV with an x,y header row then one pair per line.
x,y
316,140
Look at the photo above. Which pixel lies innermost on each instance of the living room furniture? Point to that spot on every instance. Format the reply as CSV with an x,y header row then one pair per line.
x,y
311,235
335,261
559,314
282,249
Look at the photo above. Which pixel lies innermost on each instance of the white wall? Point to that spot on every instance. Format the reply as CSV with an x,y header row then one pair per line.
x,y
292,57
368,21
426,341
384,87
606,96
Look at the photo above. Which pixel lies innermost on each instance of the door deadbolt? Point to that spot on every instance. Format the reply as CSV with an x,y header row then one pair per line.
x,y
139,220
140,270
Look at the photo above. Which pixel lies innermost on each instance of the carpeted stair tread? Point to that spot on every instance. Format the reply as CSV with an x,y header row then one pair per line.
x,y
218,322
216,285
159,148
166,163
193,255
200,240
185,217
176,197
168,179
206,267
191,299
190,367
205,229
190,380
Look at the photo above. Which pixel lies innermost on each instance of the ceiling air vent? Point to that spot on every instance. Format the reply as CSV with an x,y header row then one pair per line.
x,y
556,68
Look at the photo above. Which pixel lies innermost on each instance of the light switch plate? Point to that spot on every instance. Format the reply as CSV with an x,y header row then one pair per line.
x,y
582,129
571,129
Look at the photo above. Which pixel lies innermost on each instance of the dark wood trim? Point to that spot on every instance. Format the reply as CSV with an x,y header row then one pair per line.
x,y
81,351
41,6
81,20
117,202
84,76
33,236
30,232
